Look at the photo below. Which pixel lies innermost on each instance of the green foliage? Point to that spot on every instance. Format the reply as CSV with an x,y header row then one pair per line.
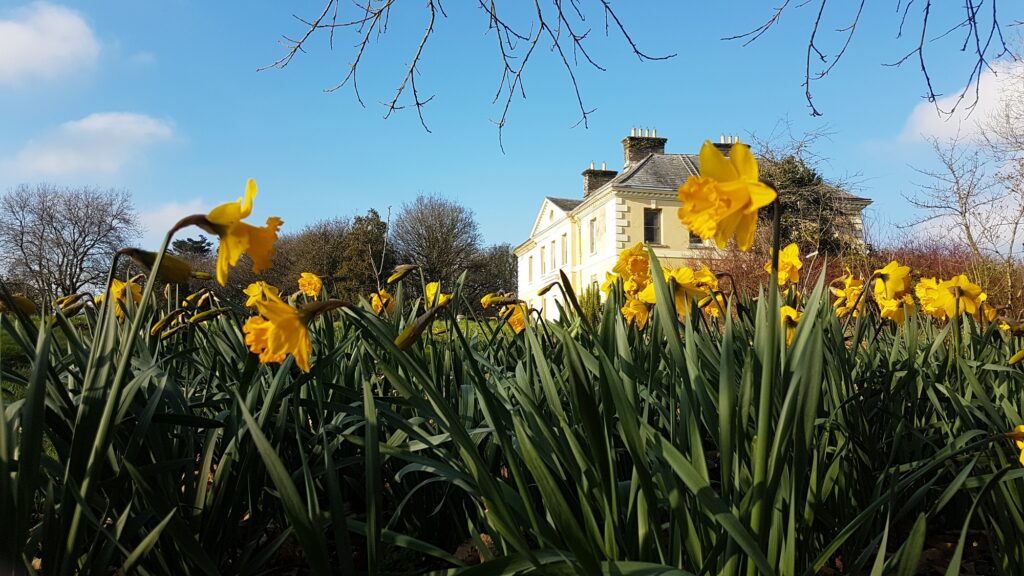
x,y
815,213
580,446
200,247
591,307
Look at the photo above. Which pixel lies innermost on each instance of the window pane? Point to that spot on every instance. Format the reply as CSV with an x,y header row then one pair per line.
x,y
652,226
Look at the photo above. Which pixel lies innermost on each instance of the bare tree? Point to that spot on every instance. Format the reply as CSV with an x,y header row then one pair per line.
x,y
493,269
977,30
959,195
979,198
439,234
61,240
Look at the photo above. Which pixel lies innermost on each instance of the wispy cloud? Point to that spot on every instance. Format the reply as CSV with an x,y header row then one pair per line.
x,y
925,121
157,220
44,41
99,144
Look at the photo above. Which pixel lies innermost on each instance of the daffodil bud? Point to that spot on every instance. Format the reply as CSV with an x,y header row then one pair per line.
x,y
206,316
401,271
412,333
172,268
20,303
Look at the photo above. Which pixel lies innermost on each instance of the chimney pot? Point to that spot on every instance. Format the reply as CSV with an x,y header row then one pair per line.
x,y
594,179
632,131
654,132
645,142
603,167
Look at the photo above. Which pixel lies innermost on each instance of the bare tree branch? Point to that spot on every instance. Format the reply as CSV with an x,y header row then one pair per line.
x,y
564,26
983,37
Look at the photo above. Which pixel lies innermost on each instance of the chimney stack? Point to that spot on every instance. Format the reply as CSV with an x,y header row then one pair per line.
x,y
641,143
594,179
725,143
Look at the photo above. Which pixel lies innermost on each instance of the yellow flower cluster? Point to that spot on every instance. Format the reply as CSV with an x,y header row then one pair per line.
x,y
789,265
279,329
892,292
954,297
941,300
310,284
849,298
687,285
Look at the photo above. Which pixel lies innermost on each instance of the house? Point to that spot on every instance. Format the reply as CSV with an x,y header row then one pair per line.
x,y
582,237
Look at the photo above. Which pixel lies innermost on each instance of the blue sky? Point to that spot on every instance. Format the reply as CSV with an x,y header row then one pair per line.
x,y
164,99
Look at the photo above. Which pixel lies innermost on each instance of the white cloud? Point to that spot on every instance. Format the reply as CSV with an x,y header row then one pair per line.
x,y
157,220
44,41
99,144
926,121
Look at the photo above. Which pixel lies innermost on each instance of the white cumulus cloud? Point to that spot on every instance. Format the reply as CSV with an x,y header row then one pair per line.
x,y
926,121
44,41
157,220
99,144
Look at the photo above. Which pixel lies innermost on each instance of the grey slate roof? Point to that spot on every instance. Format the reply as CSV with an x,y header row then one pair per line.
x,y
665,171
565,204
669,171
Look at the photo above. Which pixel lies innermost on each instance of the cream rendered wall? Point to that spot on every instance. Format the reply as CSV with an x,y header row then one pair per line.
x,y
593,263
675,248
550,230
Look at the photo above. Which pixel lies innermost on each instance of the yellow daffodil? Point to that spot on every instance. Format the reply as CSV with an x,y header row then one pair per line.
x,y
516,315
23,304
1016,358
119,291
237,237
434,297
1018,438
687,289
895,309
260,291
633,264
723,201
1014,329
789,265
848,298
609,282
310,284
892,281
986,311
714,306
634,286
927,292
958,295
706,278
279,330
790,319
382,300
683,282
635,311
491,299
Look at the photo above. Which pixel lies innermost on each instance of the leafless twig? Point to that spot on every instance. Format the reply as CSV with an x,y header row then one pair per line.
x,y
983,37
563,23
